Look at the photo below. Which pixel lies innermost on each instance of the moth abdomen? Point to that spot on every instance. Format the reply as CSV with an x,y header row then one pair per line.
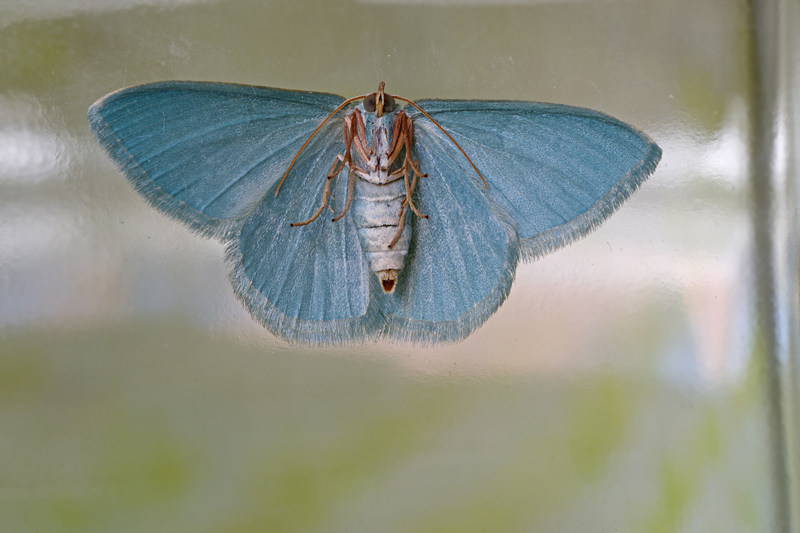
x,y
376,213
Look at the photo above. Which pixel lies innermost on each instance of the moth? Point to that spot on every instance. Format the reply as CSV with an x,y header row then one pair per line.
x,y
374,217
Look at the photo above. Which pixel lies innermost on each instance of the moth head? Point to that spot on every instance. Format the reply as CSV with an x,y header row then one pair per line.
x,y
379,102
388,280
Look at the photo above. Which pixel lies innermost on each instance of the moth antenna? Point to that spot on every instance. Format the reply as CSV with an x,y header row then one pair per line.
x,y
445,132
353,99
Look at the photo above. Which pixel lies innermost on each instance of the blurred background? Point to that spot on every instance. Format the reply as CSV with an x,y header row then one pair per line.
x,y
642,379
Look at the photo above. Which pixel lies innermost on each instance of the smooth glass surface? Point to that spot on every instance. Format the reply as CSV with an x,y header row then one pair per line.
x,y
642,379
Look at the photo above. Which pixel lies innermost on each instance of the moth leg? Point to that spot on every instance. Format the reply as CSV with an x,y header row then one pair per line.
x,y
408,163
394,150
404,140
409,139
400,225
336,167
349,196
407,203
398,136
359,137
342,160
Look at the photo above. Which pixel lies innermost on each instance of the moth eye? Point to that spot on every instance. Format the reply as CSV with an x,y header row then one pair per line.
x,y
388,103
369,103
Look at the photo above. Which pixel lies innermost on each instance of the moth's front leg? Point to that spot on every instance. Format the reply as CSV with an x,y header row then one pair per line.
x,y
357,139
342,160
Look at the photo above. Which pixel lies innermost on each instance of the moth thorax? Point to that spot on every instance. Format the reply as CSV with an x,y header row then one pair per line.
x,y
388,280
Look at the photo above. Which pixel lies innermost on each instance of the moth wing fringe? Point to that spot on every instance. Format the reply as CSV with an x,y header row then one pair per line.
x,y
550,240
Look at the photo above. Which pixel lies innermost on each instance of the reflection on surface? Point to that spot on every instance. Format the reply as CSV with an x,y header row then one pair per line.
x,y
16,11
26,156
618,387
29,149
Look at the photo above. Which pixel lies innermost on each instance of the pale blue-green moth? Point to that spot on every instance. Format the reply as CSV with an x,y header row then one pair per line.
x,y
431,204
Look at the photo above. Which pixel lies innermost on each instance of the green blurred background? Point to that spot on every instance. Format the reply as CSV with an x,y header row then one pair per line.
x,y
640,380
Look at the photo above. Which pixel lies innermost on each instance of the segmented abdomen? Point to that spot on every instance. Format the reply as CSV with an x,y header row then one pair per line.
x,y
376,211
